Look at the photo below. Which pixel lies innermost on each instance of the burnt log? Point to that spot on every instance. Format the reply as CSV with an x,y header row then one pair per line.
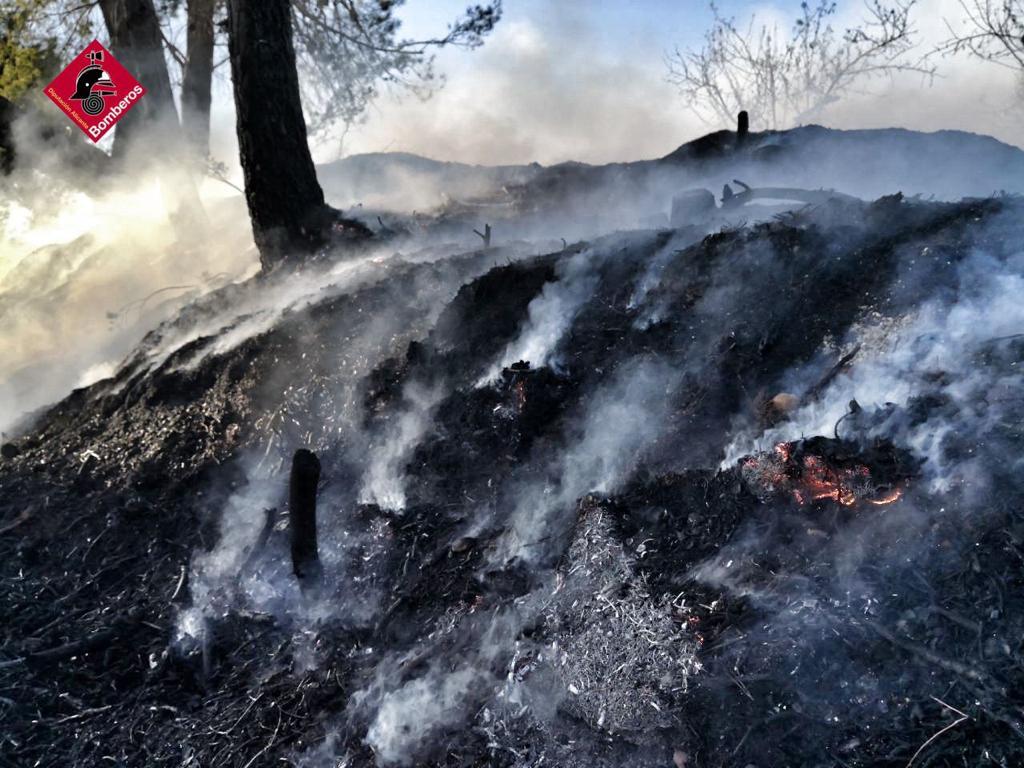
x,y
742,128
302,486
485,235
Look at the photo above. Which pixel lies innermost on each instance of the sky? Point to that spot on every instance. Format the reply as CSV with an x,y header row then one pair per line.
x,y
586,80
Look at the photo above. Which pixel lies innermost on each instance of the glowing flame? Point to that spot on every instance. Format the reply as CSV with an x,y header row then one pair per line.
x,y
824,482
813,478
889,498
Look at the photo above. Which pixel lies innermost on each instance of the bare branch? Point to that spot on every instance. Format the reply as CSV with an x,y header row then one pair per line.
x,y
993,30
785,80
348,49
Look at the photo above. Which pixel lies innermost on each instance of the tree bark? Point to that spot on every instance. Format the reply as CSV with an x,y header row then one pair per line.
x,y
198,77
151,129
136,41
286,203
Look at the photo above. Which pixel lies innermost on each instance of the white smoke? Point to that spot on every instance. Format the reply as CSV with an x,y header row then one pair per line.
x,y
384,478
937,349
85,275
411,716
214,573
551,314
219,583
593,87
621,420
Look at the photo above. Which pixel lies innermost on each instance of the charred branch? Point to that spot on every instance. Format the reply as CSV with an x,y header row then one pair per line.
x,y
485,235
302,487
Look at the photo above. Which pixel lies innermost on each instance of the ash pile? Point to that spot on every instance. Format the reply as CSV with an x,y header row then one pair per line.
x,y
662,498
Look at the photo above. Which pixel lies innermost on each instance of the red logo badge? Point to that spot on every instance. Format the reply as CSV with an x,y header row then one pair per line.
x,y
95,91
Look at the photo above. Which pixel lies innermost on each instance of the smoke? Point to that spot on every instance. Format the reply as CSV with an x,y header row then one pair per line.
x,y
937,373
656,265
258,308
941,381
529,69
249,567
90,263
384,479
592,87
551,314
619,422
410,717
955,349
404,182
217,573
324,412
588,642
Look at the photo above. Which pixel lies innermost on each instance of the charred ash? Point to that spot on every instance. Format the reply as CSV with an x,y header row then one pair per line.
x,y
603,504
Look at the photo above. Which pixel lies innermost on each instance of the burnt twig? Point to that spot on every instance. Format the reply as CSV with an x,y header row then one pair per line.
x,y
815,392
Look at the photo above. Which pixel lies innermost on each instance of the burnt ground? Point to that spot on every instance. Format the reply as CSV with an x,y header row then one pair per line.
x,y
753,627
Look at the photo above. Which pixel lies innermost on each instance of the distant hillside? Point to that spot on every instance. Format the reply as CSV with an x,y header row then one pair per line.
x,y
945,163
408,181
868,163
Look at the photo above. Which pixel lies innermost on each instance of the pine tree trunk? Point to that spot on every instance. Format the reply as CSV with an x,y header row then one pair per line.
x,y
286,203
151,129
198,77
136,41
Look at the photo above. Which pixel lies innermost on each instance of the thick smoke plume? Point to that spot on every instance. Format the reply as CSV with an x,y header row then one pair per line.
x,y
86,269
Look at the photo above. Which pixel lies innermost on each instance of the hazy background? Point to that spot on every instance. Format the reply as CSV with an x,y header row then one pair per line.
x,y
585,80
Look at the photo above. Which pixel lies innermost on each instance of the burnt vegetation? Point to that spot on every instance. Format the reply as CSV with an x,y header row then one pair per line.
x,y
822,601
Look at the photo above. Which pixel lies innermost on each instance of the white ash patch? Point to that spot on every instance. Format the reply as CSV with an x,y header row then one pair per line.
x,y
618,656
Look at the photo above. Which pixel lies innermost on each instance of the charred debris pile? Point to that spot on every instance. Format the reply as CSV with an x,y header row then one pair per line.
x,y
660,498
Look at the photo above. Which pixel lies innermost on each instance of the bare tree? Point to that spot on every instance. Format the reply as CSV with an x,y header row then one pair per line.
x,y
786,80
993,30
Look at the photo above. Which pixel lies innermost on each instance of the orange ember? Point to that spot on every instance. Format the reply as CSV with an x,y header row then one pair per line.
x,y
889,498
809,477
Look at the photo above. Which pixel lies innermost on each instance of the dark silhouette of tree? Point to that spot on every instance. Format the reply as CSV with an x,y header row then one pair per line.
x,y
197,75
286,204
